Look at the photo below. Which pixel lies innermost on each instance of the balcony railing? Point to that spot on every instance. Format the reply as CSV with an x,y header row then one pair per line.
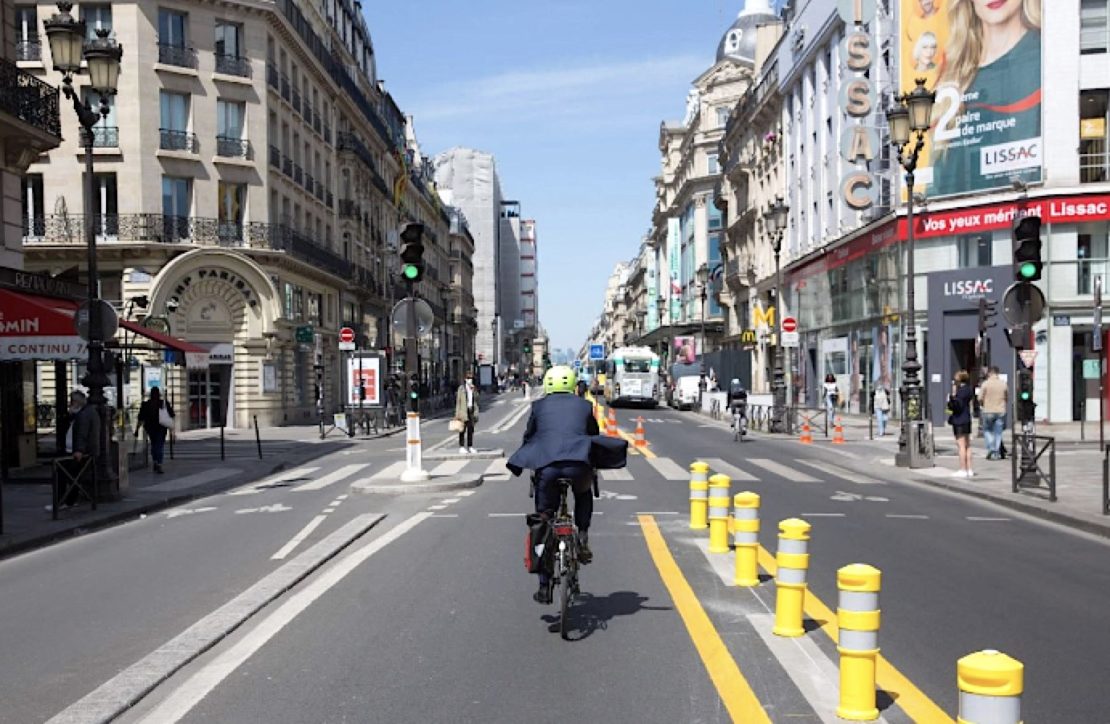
x,y
178,55
298,245
171,140
105,136
230,147
284,85
69,229
327,132
272,76
309,183
275,157
331,200
233,65
321,192
29,49
348,209
287,166
1094,167
296,100
298,174
27,98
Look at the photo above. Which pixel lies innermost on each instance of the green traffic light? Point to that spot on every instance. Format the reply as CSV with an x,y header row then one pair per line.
x,y
1025,396
1027,270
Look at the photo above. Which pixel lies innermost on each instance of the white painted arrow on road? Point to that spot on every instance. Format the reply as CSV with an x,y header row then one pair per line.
x,y
187,511
843,497
610,495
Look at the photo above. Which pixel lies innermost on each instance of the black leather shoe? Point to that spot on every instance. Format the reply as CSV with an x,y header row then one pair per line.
x,y
543,595
585,555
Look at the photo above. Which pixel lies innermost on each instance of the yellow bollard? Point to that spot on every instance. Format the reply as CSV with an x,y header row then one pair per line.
x,y
745,538
991,684
857,616
792,559
699,495
718,513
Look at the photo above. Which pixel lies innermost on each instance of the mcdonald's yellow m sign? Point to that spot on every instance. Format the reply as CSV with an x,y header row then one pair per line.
x,y
763,318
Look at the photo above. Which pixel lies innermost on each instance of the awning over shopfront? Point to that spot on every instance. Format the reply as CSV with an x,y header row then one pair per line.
x,y
42,328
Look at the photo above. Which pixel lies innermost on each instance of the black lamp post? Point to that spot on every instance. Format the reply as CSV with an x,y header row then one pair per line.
x,y
641,323
102,55
660,309
776,217
703,285
909,118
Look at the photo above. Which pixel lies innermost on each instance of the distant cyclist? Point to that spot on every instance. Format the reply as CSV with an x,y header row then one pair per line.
x,y
559,442
737,402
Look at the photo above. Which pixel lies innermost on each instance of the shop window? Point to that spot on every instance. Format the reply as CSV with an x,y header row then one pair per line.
x,y
33,214
1093,27
975,250
1091,253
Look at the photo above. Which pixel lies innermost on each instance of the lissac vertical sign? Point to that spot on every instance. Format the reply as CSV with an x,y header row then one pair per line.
x,y
859,143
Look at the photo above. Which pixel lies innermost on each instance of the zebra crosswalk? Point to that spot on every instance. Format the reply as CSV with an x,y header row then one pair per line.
x,y
642,469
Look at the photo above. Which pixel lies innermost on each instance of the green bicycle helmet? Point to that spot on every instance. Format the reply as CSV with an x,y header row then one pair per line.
x,y
559,379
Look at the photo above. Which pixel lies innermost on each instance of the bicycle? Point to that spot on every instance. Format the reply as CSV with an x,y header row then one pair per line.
x,y
565,576
739,424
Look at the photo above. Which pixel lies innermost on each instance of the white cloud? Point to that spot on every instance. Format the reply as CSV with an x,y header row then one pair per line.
x,y
561,92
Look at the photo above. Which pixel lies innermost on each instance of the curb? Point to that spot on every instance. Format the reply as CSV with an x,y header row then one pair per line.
x,y
1016,503
122,516
435,485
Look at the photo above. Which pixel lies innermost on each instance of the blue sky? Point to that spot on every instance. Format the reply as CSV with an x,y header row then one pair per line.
x,y
568,95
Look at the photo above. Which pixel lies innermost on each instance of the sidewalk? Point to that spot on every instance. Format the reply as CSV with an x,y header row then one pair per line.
x,y
1078,470
196,470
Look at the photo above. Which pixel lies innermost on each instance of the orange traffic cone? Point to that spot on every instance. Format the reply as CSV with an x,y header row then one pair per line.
x,y
807,436
640,441
838,432
611,424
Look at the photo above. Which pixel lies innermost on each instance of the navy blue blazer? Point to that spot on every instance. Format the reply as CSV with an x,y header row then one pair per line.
x,y
562,428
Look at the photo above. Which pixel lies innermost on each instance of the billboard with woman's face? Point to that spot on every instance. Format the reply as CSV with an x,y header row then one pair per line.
x,y
983,58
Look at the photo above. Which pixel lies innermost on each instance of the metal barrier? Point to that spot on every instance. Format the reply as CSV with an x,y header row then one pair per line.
x,y
67,482
1025,456
715,409
801,416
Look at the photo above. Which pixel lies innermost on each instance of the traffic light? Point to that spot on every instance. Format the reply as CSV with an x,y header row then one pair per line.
x,y
527,348
412,253
986,311
1027,249
414,392
1025,404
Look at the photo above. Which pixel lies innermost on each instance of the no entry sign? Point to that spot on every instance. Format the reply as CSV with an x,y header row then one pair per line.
x,y
789,324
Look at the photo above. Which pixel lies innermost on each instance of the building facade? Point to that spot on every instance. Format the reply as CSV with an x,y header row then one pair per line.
x,y
259,215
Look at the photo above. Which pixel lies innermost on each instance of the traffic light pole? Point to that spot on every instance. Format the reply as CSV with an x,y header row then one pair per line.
x,y
414,451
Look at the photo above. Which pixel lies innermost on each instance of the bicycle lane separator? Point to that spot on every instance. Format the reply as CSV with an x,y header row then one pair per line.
x,y
732,687
910,699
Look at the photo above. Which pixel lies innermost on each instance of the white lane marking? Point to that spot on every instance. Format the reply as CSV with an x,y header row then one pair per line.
x,y
512,418
437,507
506,515
298,538
210,475
612,495
497,467
720,466
449,500
782,470
618,474
844,497
656,512
391,471
275,508
449,467
200,684
259,487
668,468
329,510
333,477
823,515
341,497
444,515
179,512
841,472
465,493
987,519
907,516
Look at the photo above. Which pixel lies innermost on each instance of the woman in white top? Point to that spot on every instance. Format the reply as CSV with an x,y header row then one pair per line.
x,y
882,408
832,396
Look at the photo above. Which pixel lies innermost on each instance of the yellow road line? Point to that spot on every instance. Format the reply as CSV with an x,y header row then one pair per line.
x,y
912,700
732,687
646,452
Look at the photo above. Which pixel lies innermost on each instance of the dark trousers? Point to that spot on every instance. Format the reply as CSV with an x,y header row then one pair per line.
x,y
547,492
466,435
157,437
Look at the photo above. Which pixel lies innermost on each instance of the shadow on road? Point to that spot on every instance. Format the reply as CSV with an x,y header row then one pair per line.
x,y
590,613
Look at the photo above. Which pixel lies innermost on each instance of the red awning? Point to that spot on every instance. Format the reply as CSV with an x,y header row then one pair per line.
x,y
42,328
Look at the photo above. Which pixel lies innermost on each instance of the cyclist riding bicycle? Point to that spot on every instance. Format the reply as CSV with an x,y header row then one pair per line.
x,y
561,441
737,401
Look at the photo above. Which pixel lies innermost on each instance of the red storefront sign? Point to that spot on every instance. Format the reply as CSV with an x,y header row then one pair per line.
x,y
30,330
956,222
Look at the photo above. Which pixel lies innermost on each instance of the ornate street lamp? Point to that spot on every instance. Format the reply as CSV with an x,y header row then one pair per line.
x,y
660,309
102,56
703,285
776,218
910,118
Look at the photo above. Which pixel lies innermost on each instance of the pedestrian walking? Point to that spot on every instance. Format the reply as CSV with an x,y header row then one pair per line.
x,y
156,417
994,397
466,413
832,396
82,442
881,403
524,386
959,417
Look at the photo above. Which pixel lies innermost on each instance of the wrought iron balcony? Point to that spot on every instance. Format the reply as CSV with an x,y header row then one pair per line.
x,y
178,55
296,100
284,85
327,132
287,166
230,147
275,157
233,65
298,174
348,209
69,229
298,245
172,140
321,193
309,183
29,49
272,76
105,136
25,97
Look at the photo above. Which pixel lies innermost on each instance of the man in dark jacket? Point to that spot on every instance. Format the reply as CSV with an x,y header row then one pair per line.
x,y
561,441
